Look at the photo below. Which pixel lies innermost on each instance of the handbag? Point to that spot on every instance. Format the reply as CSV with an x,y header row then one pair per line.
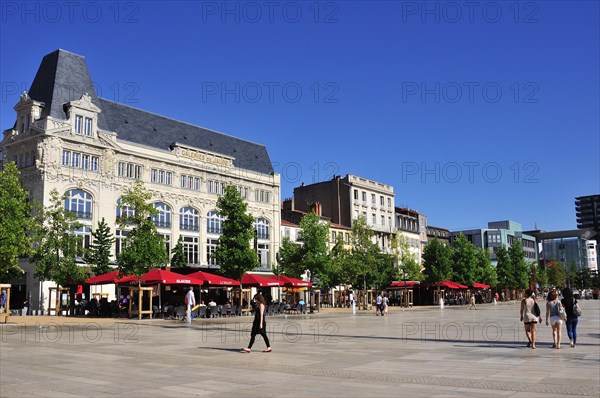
x,y
561,312
576,309
536,309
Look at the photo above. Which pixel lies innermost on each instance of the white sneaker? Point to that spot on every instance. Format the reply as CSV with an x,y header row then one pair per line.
x,y
572,344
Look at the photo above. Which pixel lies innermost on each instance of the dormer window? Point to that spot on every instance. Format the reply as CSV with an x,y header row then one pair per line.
x,y
87,128
78,123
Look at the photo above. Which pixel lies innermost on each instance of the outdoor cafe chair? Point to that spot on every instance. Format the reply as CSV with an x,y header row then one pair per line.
x,y
202,312
270,309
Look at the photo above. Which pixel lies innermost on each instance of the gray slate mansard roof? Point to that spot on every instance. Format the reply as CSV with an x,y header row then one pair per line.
x,y
63,77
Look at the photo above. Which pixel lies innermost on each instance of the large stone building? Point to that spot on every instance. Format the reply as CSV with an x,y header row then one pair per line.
x,y
91,149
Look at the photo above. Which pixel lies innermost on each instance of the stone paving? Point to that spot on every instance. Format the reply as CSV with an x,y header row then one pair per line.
x,y
429,352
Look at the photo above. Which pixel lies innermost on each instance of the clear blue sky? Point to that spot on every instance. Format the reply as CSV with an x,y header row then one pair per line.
x,y
472,114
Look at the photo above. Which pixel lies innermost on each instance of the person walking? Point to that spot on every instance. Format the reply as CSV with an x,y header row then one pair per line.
x,y
378,303
190,301
552,312
384,305
568,303
530,317
259,326
473,305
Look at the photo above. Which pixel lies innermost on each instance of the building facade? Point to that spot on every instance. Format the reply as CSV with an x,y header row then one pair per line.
x,y
343,200
408,228
575,247
498,234
91,149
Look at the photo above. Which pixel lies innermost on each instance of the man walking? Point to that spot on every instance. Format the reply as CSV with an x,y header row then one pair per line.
x,y
379,302
190,302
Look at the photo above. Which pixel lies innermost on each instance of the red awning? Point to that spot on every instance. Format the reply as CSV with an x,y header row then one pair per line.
x,y
259,281
168,278
404,283
450,285
461,286
214,280
110,277
292,282
478,285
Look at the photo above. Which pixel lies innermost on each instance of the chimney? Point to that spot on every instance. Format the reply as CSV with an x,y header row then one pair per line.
x,y
288,204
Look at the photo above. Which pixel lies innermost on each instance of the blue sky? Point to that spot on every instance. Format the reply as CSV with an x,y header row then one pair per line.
x,y
472,113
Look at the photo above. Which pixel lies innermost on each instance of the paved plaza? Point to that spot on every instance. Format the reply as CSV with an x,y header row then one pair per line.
x,y
428,351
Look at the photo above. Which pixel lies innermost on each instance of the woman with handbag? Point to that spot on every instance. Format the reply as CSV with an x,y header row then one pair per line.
x,y
553,310
529,316
570,304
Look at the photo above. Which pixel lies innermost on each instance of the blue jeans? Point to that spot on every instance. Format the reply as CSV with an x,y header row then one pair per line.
x,y
572,328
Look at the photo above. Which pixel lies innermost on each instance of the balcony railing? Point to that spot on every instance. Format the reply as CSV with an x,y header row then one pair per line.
x,y
86,215
162,224
189,227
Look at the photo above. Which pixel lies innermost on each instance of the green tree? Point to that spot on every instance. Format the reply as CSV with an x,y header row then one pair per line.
x,y
542,275
504,269
583,278
556,274
98,256
519,265
408,267
486,272
570,274
364,260
337,268
437,262
143,247
534,275
290,258
464,261
313,251
234,253
15,223
57,246
179,260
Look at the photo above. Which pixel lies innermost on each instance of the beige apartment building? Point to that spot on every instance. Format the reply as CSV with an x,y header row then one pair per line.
x,y
67,138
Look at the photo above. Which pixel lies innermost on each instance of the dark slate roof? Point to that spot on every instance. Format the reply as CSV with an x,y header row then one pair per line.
x,y
63,77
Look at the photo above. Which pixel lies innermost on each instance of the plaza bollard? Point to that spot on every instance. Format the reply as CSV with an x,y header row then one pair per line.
x,y
353,308
441,303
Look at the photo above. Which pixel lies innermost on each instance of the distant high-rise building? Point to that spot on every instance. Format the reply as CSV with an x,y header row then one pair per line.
x,y
587,209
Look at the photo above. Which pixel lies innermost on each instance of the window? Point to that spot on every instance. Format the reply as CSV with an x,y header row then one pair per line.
x,y
94,163
286,232
78,123
215,187
364,196
356,194
87,128
382,220
381,201
211,247
188,219
161,176
263,255
374,218
84,233
79,203
189,182
262,196
373,199
355,214
214,223
130,170
191,249
262,228
347,238
167,240
85,162
75,159
120,240
163,218
243,192
66,158
389,202
333,236
124,211
390,221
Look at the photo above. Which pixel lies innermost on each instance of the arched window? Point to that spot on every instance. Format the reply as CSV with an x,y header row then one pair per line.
x,y
124,211
262,228
214,223
163,218
79,203
188,219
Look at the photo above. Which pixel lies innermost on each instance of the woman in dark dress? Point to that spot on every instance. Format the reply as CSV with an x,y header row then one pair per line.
x,y
260,324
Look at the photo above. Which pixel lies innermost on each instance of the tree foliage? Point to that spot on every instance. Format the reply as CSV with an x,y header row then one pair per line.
x,y
519,265
313,251
55,256
143,247
290,258
179,259
366,261
464,261
437,262
486,272
15,222
408,267
98,256
234,253
504,269
556,274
